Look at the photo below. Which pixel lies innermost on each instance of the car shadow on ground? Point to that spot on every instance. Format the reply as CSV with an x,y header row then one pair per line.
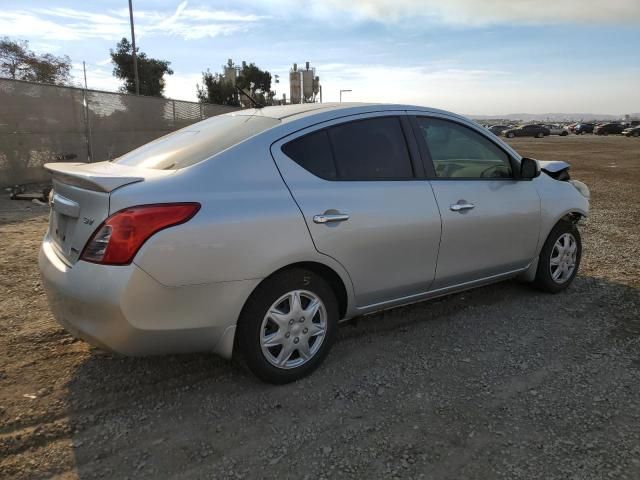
x,y
191,416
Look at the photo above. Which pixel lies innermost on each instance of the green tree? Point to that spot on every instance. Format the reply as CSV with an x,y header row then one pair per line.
x,y
151,71
218,89
18,62
254,80
215,89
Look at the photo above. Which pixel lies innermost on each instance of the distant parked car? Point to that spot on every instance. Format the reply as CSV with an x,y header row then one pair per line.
x,y
498,129
632,131
537,131
557,130
583,128
609,129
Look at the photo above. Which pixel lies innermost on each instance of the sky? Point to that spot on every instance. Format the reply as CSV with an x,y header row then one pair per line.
x,y
473,57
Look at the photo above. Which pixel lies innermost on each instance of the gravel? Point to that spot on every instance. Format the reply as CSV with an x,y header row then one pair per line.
x,y
499,382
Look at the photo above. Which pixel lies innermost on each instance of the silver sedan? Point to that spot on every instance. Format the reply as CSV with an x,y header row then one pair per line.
x,y
257,232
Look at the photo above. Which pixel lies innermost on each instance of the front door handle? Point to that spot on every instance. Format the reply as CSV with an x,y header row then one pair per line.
x,y
330,217
459,207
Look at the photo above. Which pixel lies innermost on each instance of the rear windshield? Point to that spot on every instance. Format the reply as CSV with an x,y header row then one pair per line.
x,y
196,142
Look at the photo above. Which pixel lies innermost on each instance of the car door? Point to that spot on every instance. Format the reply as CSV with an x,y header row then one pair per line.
x,y
360,188
490,219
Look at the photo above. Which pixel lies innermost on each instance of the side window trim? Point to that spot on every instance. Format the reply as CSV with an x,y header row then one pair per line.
x,y
428,161
413,154
325,131
413,146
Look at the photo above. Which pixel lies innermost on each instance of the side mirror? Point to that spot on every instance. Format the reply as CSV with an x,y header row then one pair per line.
x,y
529,169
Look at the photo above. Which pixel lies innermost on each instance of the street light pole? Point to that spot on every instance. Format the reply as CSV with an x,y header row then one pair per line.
x,y
133,45
341,94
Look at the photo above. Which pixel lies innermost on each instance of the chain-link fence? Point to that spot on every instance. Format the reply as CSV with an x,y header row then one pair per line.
x,y
46,123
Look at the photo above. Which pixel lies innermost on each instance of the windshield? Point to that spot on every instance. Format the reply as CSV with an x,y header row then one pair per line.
x,y
196,142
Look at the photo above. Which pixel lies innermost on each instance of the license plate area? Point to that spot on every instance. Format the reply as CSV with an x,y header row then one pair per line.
x,y
73,217
59,231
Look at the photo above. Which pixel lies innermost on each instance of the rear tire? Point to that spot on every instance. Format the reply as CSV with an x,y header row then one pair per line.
x,y
539,135
559,260
280,312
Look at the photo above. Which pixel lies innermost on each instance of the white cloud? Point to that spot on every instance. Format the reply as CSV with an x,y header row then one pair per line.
x,y
182,86
381,83
17,24
475,91
98,77
469,12
70,24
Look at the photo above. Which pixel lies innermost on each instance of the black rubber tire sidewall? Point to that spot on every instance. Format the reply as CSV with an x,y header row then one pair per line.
x,y
543,278
250,321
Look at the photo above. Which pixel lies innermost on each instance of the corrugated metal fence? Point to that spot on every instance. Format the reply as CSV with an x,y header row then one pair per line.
x,y
46,123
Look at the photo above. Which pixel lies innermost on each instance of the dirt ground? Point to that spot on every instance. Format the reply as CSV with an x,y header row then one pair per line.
x,y
500,382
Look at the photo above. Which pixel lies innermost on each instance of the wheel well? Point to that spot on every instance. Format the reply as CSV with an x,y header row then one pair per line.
x,y
330,276
572,217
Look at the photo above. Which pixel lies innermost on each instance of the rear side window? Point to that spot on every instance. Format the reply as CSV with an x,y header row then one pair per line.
x,y
372,149
313,153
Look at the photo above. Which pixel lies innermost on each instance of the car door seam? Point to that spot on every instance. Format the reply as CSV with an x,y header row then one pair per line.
x,y
304,220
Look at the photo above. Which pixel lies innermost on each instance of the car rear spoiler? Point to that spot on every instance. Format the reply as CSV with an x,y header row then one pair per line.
x,y
101,176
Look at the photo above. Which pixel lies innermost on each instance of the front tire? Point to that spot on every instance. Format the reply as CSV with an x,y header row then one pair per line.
x,y
287,326
559,259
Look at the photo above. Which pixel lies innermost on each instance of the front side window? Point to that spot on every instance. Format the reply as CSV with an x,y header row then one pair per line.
x,y
460,152
372,149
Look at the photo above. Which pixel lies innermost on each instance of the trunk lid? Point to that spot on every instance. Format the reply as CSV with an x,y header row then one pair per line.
x,y
80,200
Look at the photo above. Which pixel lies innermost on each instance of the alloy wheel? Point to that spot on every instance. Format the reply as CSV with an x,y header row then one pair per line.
x,y
563,258
293,329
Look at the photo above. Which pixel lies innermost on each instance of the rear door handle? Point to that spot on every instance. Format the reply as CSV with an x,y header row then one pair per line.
x,y
459,207
330,217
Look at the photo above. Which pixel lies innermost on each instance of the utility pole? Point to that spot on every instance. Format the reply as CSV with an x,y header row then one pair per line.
x,y
87,120
133,44
84,70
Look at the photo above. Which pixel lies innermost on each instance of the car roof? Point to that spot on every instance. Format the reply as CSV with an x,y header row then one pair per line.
x,y
288,113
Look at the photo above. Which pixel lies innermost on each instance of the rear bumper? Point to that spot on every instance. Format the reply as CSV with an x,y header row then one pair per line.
x,y
123,309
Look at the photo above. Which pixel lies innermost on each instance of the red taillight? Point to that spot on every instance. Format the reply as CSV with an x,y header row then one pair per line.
x,y
120,236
